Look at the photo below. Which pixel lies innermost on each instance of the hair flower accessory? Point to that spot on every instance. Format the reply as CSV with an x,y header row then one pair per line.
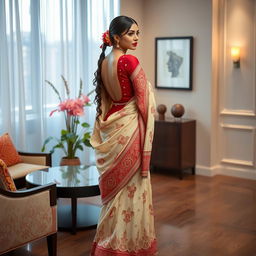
x,y
106,39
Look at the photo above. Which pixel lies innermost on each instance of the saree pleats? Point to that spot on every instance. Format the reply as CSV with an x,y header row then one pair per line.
x,y
126,225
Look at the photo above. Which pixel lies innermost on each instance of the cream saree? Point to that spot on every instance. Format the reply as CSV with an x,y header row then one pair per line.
x,y
123,147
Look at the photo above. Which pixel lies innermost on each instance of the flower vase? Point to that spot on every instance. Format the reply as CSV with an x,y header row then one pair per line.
x,y
70,161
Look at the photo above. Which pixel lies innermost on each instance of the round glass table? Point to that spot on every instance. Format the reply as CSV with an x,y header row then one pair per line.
x,y
71,182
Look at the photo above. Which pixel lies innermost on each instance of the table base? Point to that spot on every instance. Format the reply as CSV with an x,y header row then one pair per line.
x,y
87,217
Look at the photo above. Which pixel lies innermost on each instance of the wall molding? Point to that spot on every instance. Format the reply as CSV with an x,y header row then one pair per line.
x,y
233,112
238,127
250,128
237,162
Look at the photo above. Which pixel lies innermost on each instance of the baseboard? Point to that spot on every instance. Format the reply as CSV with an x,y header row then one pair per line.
x,y
207,171
246,173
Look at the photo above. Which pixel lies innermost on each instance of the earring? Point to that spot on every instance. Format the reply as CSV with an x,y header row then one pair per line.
x,y
117,45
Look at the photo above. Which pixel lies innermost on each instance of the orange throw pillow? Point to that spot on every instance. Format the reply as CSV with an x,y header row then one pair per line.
x,y
8,152
6,181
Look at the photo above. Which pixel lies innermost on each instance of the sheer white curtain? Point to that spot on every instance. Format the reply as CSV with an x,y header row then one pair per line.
x,y
42,40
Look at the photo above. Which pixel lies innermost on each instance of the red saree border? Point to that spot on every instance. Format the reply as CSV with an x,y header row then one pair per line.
x,y
142,129
142,93
146,156
117,176
101,251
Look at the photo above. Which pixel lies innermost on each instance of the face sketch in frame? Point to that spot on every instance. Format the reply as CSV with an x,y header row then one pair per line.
x,y
174,63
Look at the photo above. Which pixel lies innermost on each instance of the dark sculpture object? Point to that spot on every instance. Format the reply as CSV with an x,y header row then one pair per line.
x,y
177,110
161,109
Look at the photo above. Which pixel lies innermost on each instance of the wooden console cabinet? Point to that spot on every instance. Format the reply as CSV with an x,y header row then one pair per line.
x,y
174,145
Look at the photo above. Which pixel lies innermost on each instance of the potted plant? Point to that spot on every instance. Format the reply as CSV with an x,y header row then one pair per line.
x,y
76,134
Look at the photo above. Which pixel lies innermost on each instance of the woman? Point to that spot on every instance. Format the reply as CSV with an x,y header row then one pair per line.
x,y
122,139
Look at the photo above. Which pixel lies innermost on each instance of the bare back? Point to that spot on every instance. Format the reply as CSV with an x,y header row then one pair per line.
x,y
110,77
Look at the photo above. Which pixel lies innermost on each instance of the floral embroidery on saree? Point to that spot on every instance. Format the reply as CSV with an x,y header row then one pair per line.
x,y
128,214
131,190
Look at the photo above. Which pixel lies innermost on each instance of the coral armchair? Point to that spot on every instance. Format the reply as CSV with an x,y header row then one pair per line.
x,y
21,163
26,215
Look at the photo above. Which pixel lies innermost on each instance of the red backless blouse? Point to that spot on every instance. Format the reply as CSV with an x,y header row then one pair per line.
x,y
125,66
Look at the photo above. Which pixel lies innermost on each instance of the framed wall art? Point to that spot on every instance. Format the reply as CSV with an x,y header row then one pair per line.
x,y
174,62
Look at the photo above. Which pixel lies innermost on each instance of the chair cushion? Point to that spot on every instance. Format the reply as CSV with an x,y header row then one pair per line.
x,y
8,152
6,181
22,169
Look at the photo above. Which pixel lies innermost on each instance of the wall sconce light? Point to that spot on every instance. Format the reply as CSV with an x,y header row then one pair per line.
x,y
235,55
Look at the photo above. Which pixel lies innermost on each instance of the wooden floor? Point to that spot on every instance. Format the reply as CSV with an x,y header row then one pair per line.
x,y
196,216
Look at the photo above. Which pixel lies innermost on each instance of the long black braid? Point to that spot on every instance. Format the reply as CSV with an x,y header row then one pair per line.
x,y
97,82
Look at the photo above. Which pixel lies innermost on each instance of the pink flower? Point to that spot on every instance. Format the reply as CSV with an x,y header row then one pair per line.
x,y
77,111
85,99
77,108
53,111
74,107
66,105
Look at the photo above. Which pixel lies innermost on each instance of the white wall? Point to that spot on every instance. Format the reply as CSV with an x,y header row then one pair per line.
x,y
172,18
223,99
